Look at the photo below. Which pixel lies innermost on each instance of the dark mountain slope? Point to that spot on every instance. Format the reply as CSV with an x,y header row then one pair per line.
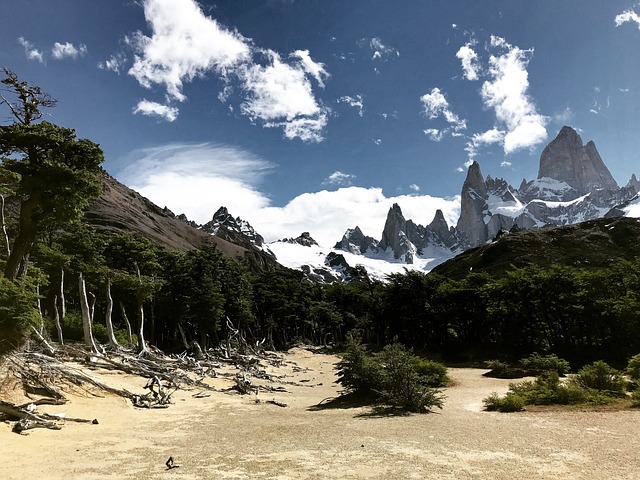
x,y
120,209
592,244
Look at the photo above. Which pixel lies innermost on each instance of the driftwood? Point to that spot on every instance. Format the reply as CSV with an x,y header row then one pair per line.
x,y
27,418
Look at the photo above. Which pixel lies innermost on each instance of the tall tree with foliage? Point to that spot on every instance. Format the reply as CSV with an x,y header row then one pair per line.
x,y
59,173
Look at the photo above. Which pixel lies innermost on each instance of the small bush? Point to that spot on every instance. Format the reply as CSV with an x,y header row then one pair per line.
x,y
635,399
434,374
400,383
502,370
357,371
396,376
511,402
537,364
633,368
600,376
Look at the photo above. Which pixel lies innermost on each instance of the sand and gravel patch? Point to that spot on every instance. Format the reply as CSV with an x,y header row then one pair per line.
x,y
238,437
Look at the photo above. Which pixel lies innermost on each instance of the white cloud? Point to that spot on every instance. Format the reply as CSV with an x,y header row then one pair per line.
x,y
563,117
154,109
60,51
338,178
377,141
414,187
506,92
198,179
30,50
355,102
185,44
434,134
627,16
470,62
277,91
505,164
435,104
381,51
115,63
315,69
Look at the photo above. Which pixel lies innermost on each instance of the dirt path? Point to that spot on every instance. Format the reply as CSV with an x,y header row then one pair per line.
x,y
232,437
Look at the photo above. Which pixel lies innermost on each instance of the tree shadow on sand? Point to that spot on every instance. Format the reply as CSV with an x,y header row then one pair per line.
x,y
359,400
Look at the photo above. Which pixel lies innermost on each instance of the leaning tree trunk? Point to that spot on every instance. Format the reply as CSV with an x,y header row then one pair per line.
x,y
56,320
127,323
142,345
4,229
86,316
63,307
112,338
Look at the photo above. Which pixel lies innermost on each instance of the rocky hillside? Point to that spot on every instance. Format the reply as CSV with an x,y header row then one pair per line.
x,y
120,209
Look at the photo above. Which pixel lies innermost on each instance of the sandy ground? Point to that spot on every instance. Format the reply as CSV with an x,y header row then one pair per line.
x,y
234,437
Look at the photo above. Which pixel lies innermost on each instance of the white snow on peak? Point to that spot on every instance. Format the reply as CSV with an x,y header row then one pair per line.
x,y
379,265
552,204
633,209
497,205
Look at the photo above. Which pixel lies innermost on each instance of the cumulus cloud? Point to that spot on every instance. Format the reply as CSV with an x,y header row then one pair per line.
x,y
196,179
356,102
60,51
30,50
338,178
185,44
153,109
505,164
627,16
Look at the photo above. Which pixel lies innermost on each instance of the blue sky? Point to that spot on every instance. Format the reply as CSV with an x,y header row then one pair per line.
x,y
318,115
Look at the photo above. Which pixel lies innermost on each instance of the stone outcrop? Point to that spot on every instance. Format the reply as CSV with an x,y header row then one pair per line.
x,y
356,242
236,230
305,239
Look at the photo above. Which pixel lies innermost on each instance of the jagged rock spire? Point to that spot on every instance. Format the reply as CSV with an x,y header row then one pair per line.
x,y
473,205
568,160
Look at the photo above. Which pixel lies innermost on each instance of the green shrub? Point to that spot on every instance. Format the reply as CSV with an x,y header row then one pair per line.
x,y
537,364
17,312
635,399
633,368
433,374
600,376
357,371
511,402
395,375
502,370
401,385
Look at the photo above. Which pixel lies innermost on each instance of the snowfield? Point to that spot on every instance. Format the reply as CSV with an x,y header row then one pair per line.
x,y
378,265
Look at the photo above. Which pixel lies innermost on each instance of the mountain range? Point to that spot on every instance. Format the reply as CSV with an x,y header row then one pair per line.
x,y
573,185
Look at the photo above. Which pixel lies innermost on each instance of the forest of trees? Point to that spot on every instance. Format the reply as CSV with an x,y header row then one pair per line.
x,y
64,280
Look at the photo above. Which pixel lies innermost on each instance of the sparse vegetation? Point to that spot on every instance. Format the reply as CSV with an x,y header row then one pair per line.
x,y
595,384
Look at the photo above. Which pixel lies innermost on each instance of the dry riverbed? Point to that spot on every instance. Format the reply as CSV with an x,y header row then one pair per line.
x,y
244,437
